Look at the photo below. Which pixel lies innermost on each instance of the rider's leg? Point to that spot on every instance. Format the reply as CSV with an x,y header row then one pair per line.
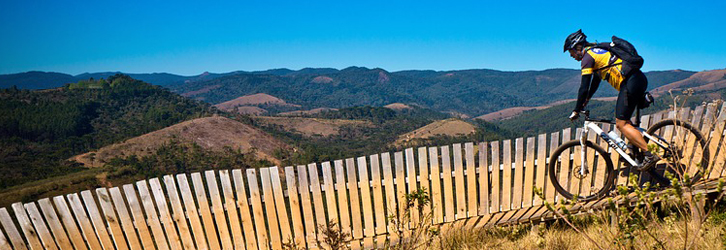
x,y
631,93
633,135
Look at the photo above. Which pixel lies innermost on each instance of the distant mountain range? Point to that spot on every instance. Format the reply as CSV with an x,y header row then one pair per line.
x,y
468,92
48,80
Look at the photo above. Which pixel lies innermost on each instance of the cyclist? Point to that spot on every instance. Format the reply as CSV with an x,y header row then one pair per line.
x,y
599,64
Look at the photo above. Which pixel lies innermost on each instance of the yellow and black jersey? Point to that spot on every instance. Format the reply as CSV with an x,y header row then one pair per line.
x,y
596,59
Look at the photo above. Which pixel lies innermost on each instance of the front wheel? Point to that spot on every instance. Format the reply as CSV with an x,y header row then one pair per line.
x,y
564,168
682,149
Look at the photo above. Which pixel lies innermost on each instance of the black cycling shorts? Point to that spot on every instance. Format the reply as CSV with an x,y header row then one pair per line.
x,y
631,93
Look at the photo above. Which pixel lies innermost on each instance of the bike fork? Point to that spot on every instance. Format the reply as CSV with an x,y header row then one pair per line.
x,y
583,156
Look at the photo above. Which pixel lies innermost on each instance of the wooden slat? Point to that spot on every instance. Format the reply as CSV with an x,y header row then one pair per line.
x,y
624,170
527,194
282,216
193,213
295,214
117,234
400,182
412,179
320,218
599,173
209,225
541,182
389,186
230,205
151,217
436,196
329,188
550,191
123,215
448,184
518,173
714,140
506,180
574,182
55,224
15,239
483,179
565,166
691,151
459,182
26,226
178,213
96,219
4,243
496,177
365,194
164,215
378,202
70,225
263,242
424,178
40,227
471,179
244,209
307,207
701,121
270,210
355,210
218,210
138,215
84,222
340,184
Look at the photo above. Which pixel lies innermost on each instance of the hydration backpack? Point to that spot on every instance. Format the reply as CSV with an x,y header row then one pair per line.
x,y
626,52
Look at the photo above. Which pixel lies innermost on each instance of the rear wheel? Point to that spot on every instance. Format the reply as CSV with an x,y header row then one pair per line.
x,y
564,169
685,152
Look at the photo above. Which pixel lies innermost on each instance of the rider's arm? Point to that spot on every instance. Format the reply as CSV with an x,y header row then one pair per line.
x,y
589,83
588,86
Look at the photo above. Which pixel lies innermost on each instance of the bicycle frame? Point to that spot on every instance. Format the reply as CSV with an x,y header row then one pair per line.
x,y
591,124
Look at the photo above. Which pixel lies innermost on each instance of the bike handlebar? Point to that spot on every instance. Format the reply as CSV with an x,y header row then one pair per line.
x,y
586,114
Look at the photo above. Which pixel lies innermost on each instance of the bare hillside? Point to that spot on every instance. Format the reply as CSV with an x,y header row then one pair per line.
x,y
256,99
311,126
515,111
451,127
397,106
701,81
306,112
210,133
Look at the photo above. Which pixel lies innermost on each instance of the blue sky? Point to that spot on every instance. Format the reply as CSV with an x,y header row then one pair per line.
x,y
190,37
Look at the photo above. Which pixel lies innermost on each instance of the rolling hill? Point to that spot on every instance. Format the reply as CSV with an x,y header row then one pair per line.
x,y
211,133
449,127
310,127
39,130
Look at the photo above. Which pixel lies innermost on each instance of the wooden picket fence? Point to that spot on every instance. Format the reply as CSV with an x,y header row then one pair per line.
x,y
474,185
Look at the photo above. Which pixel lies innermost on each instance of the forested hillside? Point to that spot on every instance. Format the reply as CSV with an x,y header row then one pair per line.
x,y
39,130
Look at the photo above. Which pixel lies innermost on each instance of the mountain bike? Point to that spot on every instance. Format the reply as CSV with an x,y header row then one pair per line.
x,y
582,169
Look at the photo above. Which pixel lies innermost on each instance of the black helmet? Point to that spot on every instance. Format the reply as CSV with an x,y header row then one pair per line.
x,y
574,39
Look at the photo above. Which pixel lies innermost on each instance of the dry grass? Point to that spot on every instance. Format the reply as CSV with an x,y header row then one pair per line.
x,y
558,236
